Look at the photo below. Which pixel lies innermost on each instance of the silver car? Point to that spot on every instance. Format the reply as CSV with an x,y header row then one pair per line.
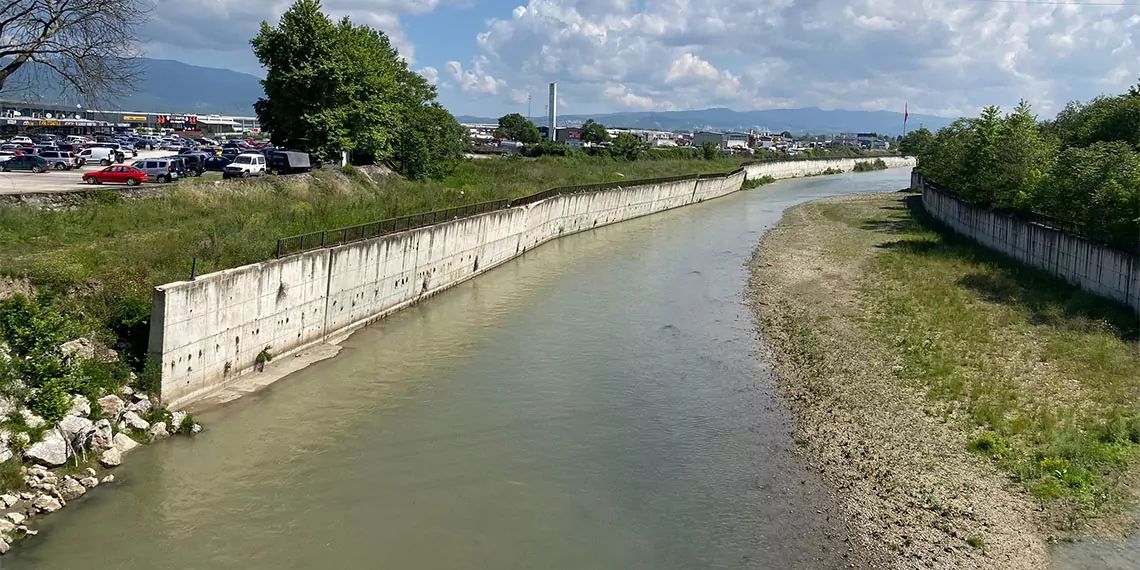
x,y
60,160
158,169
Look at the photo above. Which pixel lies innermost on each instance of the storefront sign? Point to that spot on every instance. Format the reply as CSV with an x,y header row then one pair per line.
x,y
135,118
49,123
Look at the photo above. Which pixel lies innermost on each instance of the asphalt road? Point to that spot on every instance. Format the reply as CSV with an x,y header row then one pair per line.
x,y
24,182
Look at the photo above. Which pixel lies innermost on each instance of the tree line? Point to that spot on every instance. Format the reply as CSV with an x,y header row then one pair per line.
x,y
1082,167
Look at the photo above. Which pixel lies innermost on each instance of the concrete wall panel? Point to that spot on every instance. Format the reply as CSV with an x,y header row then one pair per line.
x,y
1095,268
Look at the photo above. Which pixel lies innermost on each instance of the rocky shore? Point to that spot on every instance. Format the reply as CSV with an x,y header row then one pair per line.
x,y
45,465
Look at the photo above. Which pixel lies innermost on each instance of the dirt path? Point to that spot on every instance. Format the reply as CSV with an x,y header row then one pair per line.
x,y
914,495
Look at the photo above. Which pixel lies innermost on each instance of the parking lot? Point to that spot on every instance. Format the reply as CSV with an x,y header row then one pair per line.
x,y
59,181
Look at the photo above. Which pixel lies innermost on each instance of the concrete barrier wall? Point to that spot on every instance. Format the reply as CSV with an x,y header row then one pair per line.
x,y
797,168
1095,268
209,331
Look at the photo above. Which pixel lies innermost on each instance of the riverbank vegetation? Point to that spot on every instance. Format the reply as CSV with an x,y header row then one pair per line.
x,y
1082,167
969,408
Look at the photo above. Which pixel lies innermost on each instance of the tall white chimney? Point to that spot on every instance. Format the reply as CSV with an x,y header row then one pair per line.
x,y
553,118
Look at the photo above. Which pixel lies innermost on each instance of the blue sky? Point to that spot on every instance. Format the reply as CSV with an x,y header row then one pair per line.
x,y
944,57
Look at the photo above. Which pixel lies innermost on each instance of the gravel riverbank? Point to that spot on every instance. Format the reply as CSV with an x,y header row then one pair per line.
x,y
913,493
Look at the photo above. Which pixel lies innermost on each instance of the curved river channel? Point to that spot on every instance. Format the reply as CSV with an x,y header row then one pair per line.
x,y
597,404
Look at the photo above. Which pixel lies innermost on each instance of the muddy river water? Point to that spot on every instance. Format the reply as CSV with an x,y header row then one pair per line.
x,y
598,403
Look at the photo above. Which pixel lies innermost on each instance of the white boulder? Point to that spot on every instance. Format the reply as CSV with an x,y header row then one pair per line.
x,y
112,405
196,429
131,420
78,349
176,419
43,504
74,425
124,443
52,449
16,518
158,431
5,453
108,479
80,406
112,457
6,526
89,482
140,404
71,488
31,420
4,546
104,436
8,500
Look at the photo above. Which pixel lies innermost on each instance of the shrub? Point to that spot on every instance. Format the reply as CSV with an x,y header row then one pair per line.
x,y
546,148
990,444
51,401
187,425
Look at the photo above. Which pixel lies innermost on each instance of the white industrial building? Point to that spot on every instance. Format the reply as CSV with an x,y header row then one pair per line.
x,y
723,140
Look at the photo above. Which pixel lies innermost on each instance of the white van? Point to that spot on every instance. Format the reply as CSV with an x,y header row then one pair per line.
x,y
101,154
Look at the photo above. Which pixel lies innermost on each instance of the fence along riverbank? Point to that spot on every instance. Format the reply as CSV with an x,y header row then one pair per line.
x,y
209,331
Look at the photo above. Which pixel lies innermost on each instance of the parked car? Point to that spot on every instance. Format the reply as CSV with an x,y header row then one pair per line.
x,y
195,162
101,154
217,163
6,155
245,165
20,140
180,166
59,159
117,174
160,170
26,162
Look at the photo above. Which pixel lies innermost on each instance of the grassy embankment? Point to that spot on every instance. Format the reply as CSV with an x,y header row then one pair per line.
x,y
969,408
100,260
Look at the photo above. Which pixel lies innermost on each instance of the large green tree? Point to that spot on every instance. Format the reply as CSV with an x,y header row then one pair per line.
x,y
915,141
594,132
338,87
515,127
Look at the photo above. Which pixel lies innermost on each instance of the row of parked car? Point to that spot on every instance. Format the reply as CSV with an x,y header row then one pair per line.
x,y
171,168
53,152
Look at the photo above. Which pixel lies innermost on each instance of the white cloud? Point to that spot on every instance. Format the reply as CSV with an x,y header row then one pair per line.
x,y
474,80
226,26
431,74
944,56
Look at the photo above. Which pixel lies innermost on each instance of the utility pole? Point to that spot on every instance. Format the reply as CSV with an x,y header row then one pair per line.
x,y
528,106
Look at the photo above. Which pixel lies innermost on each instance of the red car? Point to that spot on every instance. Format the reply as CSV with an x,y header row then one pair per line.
x,y
116,174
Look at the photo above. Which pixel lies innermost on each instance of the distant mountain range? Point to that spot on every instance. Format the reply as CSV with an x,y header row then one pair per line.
x,y
798,121
176,87
164,86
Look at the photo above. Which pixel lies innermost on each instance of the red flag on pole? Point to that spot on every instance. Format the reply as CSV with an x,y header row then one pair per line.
x,y
906,114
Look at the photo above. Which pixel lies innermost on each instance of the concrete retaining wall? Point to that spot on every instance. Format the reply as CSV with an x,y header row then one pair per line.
x,y
1095,268
209,331
798,168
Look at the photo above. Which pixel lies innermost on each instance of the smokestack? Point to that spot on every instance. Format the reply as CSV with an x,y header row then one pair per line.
x,y
553,118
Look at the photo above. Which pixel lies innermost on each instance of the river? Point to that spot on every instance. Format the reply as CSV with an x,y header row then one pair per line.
x,y
597,403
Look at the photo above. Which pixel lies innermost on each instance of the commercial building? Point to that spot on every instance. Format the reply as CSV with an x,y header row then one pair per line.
x,y
26,117
723,140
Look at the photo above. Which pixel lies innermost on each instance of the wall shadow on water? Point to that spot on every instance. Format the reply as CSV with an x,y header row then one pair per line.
x,y
1045,298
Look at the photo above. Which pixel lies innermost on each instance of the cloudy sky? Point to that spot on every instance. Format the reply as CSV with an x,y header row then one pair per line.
x,y
944,57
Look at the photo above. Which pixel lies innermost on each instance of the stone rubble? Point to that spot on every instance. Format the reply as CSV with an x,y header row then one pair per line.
x,y
78,438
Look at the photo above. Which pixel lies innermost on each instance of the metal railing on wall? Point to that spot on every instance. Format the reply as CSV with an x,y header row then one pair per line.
x,y
330,238
1131,247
